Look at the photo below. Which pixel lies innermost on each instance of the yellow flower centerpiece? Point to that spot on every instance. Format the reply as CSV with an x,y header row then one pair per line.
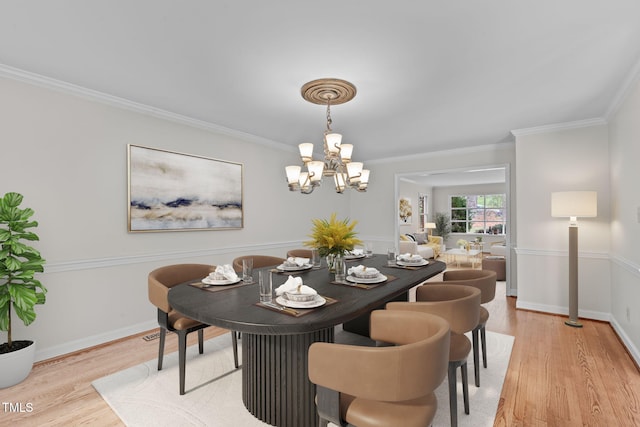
x,y
333,238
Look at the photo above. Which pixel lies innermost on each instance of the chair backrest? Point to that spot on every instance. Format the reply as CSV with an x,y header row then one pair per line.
x,y
416,341
408,247
301,253
457,304
392,374
164,278
259,261
485,280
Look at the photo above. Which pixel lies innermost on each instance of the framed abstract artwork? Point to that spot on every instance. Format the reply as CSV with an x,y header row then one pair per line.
x,y
171,191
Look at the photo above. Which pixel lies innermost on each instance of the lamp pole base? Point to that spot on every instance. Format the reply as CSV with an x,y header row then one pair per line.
x,y
573,323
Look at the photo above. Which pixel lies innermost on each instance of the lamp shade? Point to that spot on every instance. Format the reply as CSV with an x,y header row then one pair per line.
x,y
333,142
430,225
315,170
293,174
345,152
306,151
574,204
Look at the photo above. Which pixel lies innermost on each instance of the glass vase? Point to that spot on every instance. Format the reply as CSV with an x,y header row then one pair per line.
x,y
333,260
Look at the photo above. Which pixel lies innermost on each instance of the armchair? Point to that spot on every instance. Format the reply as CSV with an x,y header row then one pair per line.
x,y
485,280
460,306
160,281
383,386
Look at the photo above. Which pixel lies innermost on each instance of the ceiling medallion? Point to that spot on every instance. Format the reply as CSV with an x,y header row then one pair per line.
x,y
337,156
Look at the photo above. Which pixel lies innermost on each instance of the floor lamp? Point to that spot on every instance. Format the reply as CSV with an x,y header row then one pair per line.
x,y
574,204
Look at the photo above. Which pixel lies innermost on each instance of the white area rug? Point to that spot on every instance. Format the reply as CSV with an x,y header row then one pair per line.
x,y
142,396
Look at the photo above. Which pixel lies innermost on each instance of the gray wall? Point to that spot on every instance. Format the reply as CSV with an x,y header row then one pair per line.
x,y
68,156
624,152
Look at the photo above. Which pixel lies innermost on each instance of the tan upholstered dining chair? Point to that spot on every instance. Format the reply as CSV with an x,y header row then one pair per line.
x,y
160,281
485,280
301,253
383,386
259,261
460,306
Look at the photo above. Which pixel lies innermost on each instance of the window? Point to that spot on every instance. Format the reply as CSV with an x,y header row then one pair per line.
x,y
478,214
423,211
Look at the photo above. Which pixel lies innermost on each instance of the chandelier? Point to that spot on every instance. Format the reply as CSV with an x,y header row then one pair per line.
x,y
337,162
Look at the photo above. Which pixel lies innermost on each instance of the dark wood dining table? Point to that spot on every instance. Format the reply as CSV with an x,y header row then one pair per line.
x,y
275,385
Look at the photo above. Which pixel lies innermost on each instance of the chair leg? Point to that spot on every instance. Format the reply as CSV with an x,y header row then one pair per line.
x,y
163,333
465,386
483,338
453,395
234,343
201,341
182,355
476,355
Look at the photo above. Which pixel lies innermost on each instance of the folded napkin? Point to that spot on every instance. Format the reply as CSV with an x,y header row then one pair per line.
x,y
357,252
362,269
223,272
294,285
300,262
409,257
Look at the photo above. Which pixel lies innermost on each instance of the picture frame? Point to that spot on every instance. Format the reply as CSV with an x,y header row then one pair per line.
x,y
405,211
171,191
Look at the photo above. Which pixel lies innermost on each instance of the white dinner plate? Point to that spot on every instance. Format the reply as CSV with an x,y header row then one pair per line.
x,y
283,267
353,256
317,302
412,264
381,278
225,282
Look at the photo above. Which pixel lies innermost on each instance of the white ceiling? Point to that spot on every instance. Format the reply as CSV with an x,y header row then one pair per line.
x,y
430,75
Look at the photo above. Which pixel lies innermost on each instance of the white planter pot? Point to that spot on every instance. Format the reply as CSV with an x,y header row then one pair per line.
x,y
16,366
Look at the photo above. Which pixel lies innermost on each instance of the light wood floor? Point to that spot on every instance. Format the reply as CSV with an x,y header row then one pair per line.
x,y
557,376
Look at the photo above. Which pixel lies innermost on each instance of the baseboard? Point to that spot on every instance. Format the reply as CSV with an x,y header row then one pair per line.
x,y
626,341
563,311
91,341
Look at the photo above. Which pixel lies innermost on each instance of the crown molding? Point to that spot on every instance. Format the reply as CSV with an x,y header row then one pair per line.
x,y
122,103
625,88
597,121
453,151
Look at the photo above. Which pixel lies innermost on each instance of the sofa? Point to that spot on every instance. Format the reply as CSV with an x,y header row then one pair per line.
x,y
420,244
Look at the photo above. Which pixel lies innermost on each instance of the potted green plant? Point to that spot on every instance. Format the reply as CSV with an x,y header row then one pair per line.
x,y
443,226
20,291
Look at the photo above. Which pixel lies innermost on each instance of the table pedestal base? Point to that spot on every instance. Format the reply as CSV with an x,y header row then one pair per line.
x,y
275,383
